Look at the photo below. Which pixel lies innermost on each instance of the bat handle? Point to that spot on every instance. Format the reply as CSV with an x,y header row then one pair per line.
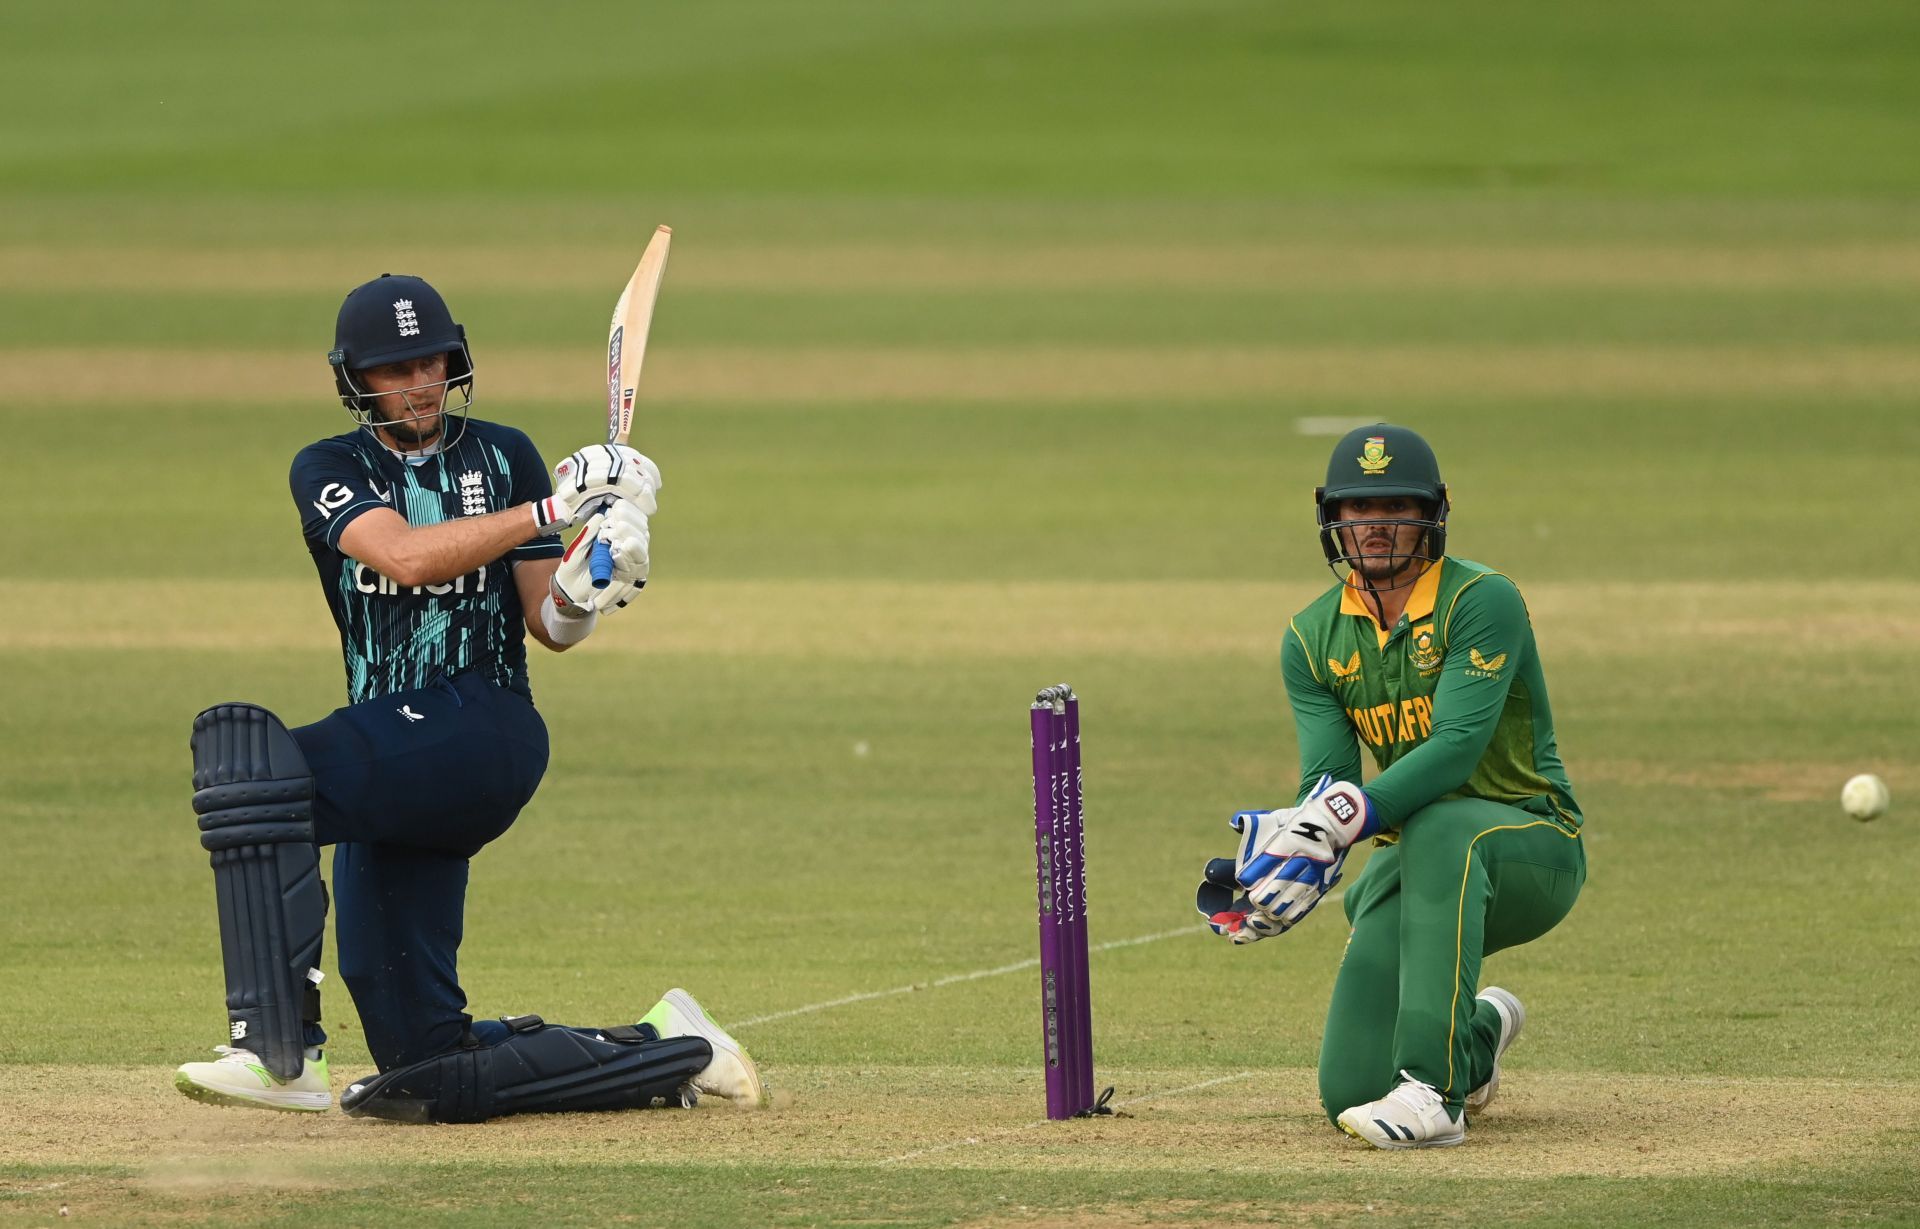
x,y
600,563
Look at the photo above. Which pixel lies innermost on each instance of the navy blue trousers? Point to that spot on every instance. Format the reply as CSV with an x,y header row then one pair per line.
x,y
408,787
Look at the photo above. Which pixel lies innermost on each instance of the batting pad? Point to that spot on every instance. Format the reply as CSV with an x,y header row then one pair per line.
x,y
254,795
537,1068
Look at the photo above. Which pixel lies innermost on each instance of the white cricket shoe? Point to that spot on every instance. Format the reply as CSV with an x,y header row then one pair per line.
x,y
731,1073
1512,1018
237,1078
1413,1115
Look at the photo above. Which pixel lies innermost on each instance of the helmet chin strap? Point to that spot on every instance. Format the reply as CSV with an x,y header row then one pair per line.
x,y
1407,568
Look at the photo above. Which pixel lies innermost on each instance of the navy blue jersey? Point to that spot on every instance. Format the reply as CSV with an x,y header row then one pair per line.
x,y
395,637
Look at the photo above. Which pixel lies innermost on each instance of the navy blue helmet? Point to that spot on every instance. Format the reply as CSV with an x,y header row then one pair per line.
x,y
389,319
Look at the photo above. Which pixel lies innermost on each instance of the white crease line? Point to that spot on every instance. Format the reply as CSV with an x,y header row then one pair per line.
x,y
1041,1122
953,979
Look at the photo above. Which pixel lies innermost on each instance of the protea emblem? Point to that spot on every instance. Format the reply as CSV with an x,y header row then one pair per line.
x,y
1421,652
1373,456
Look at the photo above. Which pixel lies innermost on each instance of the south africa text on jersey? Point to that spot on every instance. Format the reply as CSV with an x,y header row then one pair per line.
x,y
1409,721
366,580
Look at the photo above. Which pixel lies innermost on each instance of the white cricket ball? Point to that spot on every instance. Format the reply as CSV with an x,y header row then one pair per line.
x,y
1865,797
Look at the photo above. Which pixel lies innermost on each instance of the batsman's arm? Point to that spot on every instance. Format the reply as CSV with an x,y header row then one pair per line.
x,y
533,581
434,554
1488,622
1328,744
342,508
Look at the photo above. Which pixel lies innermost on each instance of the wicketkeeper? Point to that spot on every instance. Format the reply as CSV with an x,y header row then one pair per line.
x,y
436,539
1429,661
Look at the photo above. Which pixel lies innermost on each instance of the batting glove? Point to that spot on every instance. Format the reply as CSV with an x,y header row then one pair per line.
x,y
1290,859
626,536
592,478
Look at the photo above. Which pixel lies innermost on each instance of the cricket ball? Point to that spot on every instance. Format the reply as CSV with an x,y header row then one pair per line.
x,y
1865,797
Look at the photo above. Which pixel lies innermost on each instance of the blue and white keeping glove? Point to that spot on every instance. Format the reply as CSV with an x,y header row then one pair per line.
x,y
1229,915
1290,859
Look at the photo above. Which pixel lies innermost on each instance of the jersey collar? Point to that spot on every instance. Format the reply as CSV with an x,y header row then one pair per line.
x,y
1420,602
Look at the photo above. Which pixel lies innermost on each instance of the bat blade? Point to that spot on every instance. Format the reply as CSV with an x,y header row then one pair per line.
x,y
627,334
626,351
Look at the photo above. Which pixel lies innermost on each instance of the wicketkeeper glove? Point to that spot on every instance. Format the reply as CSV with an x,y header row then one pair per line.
x,y
1229,916
588,480
1290,859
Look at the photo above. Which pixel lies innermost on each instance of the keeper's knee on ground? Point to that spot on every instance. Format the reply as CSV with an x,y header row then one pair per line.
x,y
1343,1085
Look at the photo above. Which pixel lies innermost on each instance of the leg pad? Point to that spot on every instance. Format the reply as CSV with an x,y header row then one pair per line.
x,y
254,796
538,1068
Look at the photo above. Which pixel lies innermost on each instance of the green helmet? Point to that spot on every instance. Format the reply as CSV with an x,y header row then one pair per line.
x,y
1381,459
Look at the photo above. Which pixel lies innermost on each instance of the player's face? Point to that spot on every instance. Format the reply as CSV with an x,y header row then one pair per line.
x,y
409,400
1381,535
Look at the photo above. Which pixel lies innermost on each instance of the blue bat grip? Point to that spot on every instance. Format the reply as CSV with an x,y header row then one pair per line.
x,y
600,563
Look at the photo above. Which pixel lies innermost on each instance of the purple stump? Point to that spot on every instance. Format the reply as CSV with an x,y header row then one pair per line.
x,y
1079,1021
1051,980
1060,858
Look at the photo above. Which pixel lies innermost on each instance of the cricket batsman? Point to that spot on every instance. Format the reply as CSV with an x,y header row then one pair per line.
x,y
436,539
1430,662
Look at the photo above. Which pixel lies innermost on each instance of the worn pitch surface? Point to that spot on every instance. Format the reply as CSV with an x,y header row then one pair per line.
x,y
1002,346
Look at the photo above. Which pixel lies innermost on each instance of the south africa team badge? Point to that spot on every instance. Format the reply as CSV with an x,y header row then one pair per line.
x,y
1422,652
1373,455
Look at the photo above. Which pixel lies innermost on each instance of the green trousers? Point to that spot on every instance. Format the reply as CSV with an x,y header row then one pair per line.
x,y
1466,879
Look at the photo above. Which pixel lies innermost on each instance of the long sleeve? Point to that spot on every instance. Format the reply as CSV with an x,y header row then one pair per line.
x,y
1487,635
1326,736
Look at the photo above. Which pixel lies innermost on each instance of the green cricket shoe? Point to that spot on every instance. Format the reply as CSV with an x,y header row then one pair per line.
x,y
237,1078
730,1073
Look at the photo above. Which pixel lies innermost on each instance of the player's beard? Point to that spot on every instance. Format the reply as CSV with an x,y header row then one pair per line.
x,y
1387,569
1376,571
417,429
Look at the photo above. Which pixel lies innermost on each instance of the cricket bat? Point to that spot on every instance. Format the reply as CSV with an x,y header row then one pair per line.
x,y
626,351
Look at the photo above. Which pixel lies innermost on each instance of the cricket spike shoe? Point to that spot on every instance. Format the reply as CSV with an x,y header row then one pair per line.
x,y
731,1074
237,1078
1413,1115
1512,1018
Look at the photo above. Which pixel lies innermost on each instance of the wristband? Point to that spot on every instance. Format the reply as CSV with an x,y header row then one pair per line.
x,y
549,515
564,628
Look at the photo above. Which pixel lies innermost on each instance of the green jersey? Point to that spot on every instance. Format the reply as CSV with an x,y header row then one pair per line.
x,y
1451,700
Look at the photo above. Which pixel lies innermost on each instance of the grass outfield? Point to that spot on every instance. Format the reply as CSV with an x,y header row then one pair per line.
x,y
1001,345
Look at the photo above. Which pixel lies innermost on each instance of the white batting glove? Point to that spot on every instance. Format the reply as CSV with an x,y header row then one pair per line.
x,y
1290,859
623,527
586,481
626,534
